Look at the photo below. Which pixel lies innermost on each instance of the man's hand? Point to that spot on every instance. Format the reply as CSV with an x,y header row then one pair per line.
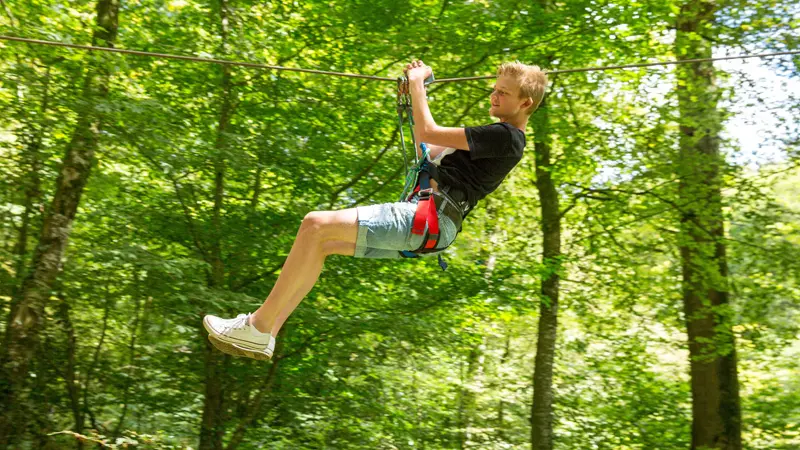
x,y
417,70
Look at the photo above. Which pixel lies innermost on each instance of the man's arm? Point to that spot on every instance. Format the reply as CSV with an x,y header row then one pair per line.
x,y
426,130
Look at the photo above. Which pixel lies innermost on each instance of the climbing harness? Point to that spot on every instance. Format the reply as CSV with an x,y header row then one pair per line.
x,y
430,204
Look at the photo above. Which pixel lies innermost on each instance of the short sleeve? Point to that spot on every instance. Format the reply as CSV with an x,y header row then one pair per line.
x,y
489,141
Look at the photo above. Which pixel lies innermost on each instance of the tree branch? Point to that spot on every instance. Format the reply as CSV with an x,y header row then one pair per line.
x,y
247,281
379,188
8,12
131,350
186,213
364,171
95,358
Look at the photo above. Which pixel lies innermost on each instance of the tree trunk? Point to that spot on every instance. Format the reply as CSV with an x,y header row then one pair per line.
x,y
254,402
87,380
70,378
25,327
468,397
212,429
716,416
32,184
137,319
542,410
501,429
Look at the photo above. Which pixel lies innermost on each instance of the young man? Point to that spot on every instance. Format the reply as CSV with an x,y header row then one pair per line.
x,y
471,163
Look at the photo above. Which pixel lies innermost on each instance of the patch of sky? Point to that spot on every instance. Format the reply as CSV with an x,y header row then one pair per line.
x,y
763,109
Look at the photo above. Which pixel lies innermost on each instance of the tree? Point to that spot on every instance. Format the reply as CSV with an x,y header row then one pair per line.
x,y
26,316
542,408
716,415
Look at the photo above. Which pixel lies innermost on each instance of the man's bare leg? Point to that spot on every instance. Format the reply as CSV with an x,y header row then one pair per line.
x,y
322,233
329,248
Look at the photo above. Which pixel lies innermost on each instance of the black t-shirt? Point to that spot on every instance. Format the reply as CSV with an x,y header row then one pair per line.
x,y
494,150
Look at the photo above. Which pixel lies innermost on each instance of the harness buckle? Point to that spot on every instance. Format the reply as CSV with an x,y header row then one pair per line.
x,y
423,194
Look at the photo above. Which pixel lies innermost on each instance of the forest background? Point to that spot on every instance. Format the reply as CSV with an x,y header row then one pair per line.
x,y
188,182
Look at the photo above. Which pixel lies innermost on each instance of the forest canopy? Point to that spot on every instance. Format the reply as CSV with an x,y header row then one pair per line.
x,y
632,284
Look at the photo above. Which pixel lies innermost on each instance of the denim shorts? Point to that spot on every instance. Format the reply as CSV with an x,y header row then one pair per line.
x,y
385,229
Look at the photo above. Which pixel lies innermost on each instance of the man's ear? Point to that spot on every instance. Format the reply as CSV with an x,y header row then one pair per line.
x,y
528,103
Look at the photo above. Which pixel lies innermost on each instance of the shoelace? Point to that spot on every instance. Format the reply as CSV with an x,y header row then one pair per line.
x,y
239,323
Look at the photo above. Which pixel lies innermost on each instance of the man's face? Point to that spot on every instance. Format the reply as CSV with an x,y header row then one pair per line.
x,y
505,97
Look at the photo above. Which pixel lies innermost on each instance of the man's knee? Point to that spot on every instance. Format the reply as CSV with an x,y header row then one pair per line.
x,y
313,223
327,225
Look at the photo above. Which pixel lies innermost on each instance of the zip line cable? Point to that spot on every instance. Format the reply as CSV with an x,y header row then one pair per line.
x,y
371,77
191,58
629,66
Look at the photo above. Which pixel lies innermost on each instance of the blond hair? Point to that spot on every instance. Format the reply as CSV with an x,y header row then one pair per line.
x,y
531,79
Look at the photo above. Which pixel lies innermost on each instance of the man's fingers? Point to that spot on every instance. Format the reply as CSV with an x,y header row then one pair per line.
x,y
414,64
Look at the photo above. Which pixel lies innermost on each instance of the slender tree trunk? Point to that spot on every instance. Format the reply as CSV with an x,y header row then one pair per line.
x,y
88,378
212,428
131,351
467,404
70,379
32,159
542,410
24,329
254,403
716,416
501,430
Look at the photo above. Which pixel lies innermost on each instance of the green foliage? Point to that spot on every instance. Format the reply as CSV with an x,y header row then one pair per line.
x,y
384,354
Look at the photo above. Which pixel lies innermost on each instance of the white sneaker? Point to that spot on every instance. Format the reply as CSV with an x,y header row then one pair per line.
x,y
237,337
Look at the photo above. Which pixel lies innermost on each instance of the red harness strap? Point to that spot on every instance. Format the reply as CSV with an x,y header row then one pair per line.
x,y
426,214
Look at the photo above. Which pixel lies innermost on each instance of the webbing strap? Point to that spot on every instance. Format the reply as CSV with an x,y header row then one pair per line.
x,y
433,224
426,213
